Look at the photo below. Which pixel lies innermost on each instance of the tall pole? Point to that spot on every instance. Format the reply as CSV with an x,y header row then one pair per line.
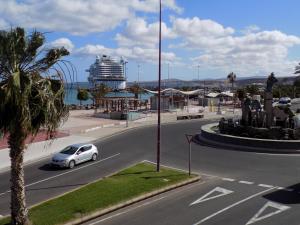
x,y
159,84
126,101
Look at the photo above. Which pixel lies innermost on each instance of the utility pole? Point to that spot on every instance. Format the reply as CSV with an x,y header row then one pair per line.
x,y
159,93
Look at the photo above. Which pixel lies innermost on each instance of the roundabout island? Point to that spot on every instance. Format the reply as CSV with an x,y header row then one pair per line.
x,y
267,128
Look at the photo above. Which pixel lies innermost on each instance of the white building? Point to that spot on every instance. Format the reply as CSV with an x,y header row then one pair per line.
x,y
108,71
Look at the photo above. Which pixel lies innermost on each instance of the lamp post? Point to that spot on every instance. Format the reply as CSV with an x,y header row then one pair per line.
x,y
159,93
126,92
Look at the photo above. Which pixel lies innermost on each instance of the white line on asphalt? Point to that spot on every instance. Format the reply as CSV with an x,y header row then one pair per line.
x,y
265,185
280,188
245,182
71,171
228,179
233,205
288,189
258,216
126,211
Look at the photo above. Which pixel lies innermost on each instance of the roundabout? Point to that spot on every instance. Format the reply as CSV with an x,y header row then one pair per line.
x,y
211,136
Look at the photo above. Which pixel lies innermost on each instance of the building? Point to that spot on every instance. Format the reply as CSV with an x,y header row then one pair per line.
x,y
108,71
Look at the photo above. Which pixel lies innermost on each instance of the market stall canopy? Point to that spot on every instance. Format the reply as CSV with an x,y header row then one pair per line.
x,y
170,90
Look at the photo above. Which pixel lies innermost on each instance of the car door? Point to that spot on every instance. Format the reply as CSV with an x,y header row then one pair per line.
x,y
88,152
79,155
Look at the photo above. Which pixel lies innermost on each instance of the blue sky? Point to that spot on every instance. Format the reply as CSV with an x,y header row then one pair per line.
x,y
249,37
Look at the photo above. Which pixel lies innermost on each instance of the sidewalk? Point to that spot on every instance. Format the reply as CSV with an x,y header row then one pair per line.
x,y
82,128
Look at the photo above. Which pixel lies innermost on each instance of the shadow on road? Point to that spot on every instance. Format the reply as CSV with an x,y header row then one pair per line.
x,y
49,167
284,196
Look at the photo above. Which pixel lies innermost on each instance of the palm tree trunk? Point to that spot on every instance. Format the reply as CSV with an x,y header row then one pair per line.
x,y
19,212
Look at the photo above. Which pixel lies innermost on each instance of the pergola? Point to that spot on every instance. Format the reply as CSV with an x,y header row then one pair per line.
x,y
117,104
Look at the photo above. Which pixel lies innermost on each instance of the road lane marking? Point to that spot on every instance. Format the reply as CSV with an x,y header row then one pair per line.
x,y
71,171
233,205
228,179
221,191
279,208
245,182
128,210
265,185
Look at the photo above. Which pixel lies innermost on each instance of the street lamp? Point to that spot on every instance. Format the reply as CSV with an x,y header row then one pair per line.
x,y
126,92
159,93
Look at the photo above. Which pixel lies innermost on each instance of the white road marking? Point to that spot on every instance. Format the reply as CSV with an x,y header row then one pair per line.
x,y
288,189
70,171
245,182
228,179
280,188
221,191
126,211
265,185
233,205
279,208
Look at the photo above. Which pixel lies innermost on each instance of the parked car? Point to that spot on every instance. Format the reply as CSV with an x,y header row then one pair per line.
x,y
75,154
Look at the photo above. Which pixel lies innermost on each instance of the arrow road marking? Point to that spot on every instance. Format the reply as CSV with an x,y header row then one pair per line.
x,y
233,205
222,192
257,217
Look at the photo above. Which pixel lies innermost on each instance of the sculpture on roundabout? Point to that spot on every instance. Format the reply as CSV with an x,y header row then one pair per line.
x,y
266,121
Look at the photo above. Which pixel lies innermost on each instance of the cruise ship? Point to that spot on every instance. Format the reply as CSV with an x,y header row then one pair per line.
x,y
108,71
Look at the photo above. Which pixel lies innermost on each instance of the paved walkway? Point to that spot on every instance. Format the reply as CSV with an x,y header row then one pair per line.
x,y
83,127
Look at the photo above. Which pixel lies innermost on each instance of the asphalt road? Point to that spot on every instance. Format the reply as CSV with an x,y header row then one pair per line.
x,y
238,187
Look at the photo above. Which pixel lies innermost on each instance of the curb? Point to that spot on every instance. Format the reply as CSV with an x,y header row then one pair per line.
x,y
131,202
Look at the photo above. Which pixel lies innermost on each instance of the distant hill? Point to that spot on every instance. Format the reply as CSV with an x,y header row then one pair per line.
x,y
218,83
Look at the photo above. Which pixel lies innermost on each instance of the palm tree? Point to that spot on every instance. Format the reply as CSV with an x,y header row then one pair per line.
x,y
31,97
231,77
99,92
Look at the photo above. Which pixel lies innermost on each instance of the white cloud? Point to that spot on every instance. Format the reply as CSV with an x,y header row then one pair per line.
x,y
63,42
77,16
139,54
139,33
220,48
250,29
263,52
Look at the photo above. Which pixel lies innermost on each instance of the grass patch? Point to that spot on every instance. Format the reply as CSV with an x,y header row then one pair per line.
x,y
126,184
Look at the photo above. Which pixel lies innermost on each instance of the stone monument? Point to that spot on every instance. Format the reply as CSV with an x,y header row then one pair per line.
x,y
268,100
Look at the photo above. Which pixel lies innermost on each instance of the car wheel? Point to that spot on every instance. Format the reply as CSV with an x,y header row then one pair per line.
x,y
94,157
71,164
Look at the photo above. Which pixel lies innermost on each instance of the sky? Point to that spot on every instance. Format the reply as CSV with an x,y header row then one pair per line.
x,y
205,39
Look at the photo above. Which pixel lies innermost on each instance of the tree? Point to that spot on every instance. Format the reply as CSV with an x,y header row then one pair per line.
x,y
231,77
31,97
297,69
241,94
82,95
99,92
136,90
252,89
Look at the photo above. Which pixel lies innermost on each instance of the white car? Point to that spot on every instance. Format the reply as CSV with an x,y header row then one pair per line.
x,y
75,154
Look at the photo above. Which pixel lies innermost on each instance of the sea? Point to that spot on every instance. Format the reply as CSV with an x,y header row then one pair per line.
x,y
71,94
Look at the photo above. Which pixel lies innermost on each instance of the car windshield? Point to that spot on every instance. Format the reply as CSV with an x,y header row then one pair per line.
x,y
70,150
